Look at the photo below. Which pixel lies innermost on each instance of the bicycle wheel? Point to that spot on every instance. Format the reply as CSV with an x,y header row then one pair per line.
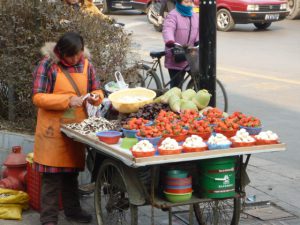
x,y
218,212
111,197
221,95
145,77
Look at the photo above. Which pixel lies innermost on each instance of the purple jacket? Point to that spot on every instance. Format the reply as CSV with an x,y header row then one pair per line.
x,y
176,28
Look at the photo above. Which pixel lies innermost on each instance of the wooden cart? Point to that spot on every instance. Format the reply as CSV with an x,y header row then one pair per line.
x,y
123,183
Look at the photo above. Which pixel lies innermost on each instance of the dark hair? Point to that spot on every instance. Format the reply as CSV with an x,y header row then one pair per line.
x,y
179,1
69,44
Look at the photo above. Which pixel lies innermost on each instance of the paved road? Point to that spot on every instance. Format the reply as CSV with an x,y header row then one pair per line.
x,y
260,70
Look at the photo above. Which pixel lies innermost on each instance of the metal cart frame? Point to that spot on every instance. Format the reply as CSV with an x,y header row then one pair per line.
x,y
123,183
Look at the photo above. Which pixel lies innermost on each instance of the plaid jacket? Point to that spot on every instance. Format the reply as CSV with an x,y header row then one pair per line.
x,y
44,77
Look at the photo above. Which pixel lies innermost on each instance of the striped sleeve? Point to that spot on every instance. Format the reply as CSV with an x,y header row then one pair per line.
x,y
94,83
42,77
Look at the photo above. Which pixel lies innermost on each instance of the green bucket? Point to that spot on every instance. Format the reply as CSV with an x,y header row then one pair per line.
x,y
217,177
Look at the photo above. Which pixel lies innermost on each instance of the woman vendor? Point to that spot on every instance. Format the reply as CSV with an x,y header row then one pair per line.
x,y
60,81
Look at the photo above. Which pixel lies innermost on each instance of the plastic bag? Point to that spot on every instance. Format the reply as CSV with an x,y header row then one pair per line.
x,y
117,85
12,202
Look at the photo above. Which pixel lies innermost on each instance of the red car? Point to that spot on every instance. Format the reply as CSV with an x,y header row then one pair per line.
x,y
259,12
229,12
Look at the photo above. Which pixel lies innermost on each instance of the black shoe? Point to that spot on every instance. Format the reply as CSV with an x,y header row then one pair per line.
x,y
81,217
86,189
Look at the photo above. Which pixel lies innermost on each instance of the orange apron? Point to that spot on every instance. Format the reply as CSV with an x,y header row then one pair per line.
x,y
51,147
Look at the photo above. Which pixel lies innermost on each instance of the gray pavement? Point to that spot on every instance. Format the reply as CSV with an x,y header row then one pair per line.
x,y
270,182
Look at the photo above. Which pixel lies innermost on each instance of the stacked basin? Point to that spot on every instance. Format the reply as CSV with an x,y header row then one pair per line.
x,y
178,186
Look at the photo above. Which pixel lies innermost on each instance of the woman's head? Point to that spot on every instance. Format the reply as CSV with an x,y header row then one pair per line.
x,y
185,2
70,47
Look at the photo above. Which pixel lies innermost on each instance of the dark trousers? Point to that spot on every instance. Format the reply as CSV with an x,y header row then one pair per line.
x,y
176,80
52,185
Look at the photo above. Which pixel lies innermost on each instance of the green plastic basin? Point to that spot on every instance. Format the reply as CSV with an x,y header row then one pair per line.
x,y
177,173
128,143
178,197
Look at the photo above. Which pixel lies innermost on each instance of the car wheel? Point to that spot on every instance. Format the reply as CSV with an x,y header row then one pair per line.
x,y
262,26
106,7
224,20
294,8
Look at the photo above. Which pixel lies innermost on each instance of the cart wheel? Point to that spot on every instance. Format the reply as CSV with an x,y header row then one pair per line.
x,y
111,197
218,212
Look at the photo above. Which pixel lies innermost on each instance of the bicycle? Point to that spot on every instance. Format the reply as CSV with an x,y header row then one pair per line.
x,y
148,78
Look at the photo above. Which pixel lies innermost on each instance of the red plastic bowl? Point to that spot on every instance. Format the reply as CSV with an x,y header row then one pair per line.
x,y
138,154
179,191
169,152
177,183
266,142
175,179
109,137
227,133
178,138
241,144
190,149
204,135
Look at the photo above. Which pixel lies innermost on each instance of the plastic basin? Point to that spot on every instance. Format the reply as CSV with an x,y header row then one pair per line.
x,y
178,182
178,197
218,146
169,151
109,137
128,143
178,138
129,133
227,133
153,140
178,187
179,191
177,173
194,149
139,154
252,130
122,105
241,144
266,142
204,135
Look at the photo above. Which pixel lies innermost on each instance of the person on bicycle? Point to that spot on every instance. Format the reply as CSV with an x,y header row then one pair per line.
x,y
180,27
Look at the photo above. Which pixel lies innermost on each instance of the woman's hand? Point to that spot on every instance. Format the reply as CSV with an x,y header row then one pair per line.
x,y
93,98
75,101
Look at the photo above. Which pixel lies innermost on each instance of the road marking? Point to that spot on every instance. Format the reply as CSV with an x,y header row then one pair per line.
x,y
135,24
249,74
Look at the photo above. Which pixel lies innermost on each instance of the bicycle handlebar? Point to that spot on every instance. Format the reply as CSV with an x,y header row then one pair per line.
x,y
162,53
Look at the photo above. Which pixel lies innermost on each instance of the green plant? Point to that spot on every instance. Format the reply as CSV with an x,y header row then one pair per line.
x,y
25,26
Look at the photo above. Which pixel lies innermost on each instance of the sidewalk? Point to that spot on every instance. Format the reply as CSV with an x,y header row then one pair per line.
x,y
269,182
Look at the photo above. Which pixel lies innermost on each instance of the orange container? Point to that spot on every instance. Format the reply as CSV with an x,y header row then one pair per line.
x,y
190,149
138,154
227,133
169,152
241,144
266,142
179,191
178,138
34,182
204,135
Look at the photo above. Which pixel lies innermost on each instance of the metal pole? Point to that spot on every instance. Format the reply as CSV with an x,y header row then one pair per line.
x,y
207,48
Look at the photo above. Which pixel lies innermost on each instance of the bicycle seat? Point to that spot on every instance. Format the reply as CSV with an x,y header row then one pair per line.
x,y
157,54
